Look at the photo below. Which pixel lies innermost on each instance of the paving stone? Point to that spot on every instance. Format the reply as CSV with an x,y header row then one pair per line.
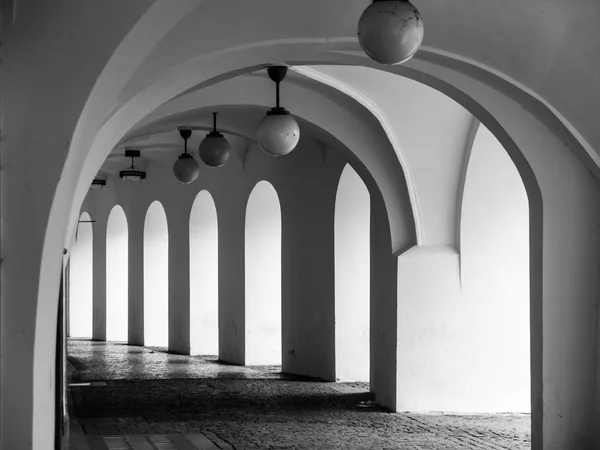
x,y
232,407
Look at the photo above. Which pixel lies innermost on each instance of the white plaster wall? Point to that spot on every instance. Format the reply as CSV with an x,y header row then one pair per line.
x,y
465,347
263,276
204,276
117,279
156,277
352,278
81,281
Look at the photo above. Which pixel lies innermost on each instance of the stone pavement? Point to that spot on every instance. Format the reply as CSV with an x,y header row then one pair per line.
x,y
147,399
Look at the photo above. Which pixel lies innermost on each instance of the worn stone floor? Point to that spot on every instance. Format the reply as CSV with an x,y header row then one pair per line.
x,y
136,398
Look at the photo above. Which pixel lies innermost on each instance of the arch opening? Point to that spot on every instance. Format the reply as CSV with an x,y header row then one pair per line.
x,y
156,277
495,277
81,277
204,279
263,276
352,278
117,275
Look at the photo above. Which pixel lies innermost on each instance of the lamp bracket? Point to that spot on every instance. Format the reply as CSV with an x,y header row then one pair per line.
x,y
277,73
132,153
185,133
278,111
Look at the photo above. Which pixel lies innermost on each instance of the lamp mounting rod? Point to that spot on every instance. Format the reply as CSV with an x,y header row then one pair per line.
x,y
185,134
277,74
215,122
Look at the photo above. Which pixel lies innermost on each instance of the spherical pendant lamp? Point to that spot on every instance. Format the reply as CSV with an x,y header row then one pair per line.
x,y
214,150
132,173
390,31
186,169
278,132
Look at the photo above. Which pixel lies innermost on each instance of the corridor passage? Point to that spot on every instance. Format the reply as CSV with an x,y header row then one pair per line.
x,y
140,398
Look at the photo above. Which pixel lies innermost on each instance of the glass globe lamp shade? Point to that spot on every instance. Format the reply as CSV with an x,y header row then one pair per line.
x,y
278,132
214,150
390,31
186,169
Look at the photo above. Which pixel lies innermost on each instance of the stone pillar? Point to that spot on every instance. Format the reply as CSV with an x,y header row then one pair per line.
x,y
384,306
135,326
231,208
179,278
308,287
99,279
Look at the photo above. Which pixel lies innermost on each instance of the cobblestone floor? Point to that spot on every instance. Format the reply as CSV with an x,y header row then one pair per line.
x,y
141,398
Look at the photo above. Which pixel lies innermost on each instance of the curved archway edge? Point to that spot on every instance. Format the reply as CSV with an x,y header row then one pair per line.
x,y
527,137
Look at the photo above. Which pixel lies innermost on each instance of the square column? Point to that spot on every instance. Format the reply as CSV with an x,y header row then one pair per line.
x,y
99,280
135,325
179,278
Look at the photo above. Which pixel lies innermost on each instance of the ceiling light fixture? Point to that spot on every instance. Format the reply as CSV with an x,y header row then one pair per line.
x,y
278,132
185,169
214,150
98,183
390,31
132,173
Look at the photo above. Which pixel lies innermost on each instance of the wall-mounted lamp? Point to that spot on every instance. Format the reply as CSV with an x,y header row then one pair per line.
x,y
132,173
98,183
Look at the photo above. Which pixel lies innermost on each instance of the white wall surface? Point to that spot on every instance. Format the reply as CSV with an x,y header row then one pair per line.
x,y
352,278
204,276
156,277
465,347
117,275
263,276
81,281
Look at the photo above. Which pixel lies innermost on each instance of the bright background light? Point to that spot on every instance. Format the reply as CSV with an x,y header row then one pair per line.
x,y
263,276
117,275
81,281
204,277
156,277
352,277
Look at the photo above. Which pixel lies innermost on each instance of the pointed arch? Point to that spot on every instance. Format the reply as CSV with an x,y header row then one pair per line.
x,y
156,276
204,276
263,276
81,276
117,275
352,277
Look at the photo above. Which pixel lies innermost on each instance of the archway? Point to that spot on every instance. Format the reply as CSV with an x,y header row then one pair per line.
x,y
263,276
156,277
352,278
573,284
81,277
204,281
117,275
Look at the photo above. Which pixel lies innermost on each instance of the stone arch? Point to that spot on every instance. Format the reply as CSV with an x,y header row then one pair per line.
x,y
488,101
